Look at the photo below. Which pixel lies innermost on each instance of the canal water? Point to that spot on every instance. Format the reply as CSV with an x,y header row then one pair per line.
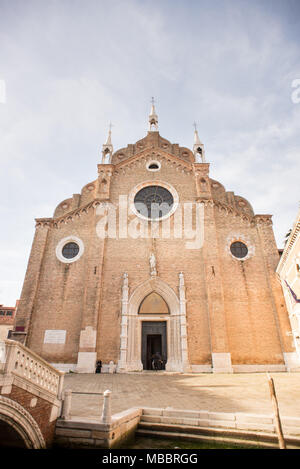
x,y
156,443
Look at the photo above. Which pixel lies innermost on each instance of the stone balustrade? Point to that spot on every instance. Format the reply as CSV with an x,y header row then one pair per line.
x,y
18,361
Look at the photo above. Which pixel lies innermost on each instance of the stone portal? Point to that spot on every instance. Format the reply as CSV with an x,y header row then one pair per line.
x,y
137,309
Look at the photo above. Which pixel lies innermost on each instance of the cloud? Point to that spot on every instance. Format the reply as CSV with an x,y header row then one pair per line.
x,y
71,68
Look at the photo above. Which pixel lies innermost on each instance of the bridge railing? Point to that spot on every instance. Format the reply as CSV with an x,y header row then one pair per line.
x,y
21,362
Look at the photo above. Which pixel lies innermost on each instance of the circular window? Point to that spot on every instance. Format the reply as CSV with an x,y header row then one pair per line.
x,y
239,249
153,166
70,250
153,202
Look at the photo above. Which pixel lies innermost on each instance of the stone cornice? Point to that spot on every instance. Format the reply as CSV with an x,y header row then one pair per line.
x,y
222,206
201,169
149,153
68,217
107,169
260,219
290,242
253,220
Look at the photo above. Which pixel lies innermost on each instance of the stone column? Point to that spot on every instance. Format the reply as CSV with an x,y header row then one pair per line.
x,y
66,410
134,362
106,412
183,331
2,352
60,386
124,325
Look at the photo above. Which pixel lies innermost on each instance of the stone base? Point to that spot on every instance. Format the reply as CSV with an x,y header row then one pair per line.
x,y
201,369
292,361
221,363
131,366
259,368
65,367
108,368
173,365
86,434
86,362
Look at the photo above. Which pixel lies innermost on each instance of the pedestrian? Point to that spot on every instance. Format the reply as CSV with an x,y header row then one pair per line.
x,y
156,361
98,366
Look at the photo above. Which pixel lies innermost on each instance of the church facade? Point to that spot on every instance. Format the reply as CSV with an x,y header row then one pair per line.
x,y
155,256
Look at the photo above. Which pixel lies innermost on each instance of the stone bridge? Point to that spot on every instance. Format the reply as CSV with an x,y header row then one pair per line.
x,y
30,397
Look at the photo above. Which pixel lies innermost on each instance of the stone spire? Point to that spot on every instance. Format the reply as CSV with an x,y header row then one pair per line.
x,y
107,148
198,147
153,119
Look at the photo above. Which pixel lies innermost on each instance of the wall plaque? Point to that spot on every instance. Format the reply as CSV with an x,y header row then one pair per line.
x,y
53,336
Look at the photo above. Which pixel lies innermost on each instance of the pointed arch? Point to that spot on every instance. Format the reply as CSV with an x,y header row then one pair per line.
x,y
153,285
153,304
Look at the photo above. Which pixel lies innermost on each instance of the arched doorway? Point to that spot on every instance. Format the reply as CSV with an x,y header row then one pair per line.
x,y
154,333
152,301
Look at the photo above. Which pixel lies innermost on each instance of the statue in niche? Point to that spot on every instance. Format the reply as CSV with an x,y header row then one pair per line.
x,y
125,279
202,184
152,261
181,279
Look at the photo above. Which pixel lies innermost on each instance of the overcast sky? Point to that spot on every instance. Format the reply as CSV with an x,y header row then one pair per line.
x,y
71,66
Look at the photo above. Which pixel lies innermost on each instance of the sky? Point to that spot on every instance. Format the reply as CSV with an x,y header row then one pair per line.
x,y
69,67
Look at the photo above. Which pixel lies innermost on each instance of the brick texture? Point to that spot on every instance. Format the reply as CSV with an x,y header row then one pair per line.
x,y
40,412
233,305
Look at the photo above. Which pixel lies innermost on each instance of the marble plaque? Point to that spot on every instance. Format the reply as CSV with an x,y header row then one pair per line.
x,y
53,336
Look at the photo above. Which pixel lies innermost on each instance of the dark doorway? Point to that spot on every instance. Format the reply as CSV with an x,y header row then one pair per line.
x,y
153,346
154,340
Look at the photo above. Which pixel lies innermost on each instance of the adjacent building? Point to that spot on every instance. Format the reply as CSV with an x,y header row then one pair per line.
x,y
288,271
7,319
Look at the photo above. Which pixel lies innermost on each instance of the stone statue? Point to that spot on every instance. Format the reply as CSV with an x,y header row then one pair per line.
x,y
181,279
152,261
125,280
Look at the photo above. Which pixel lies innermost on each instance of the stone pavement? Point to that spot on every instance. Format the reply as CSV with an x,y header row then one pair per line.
x,y
247,393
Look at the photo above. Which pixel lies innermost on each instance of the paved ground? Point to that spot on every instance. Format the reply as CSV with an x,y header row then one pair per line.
x,y
247,393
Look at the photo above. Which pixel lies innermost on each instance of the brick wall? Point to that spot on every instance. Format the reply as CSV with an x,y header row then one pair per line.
x,y
39,408
232,306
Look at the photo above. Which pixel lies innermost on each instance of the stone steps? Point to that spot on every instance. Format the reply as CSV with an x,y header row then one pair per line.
x,y
202,434
202,438
185,425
